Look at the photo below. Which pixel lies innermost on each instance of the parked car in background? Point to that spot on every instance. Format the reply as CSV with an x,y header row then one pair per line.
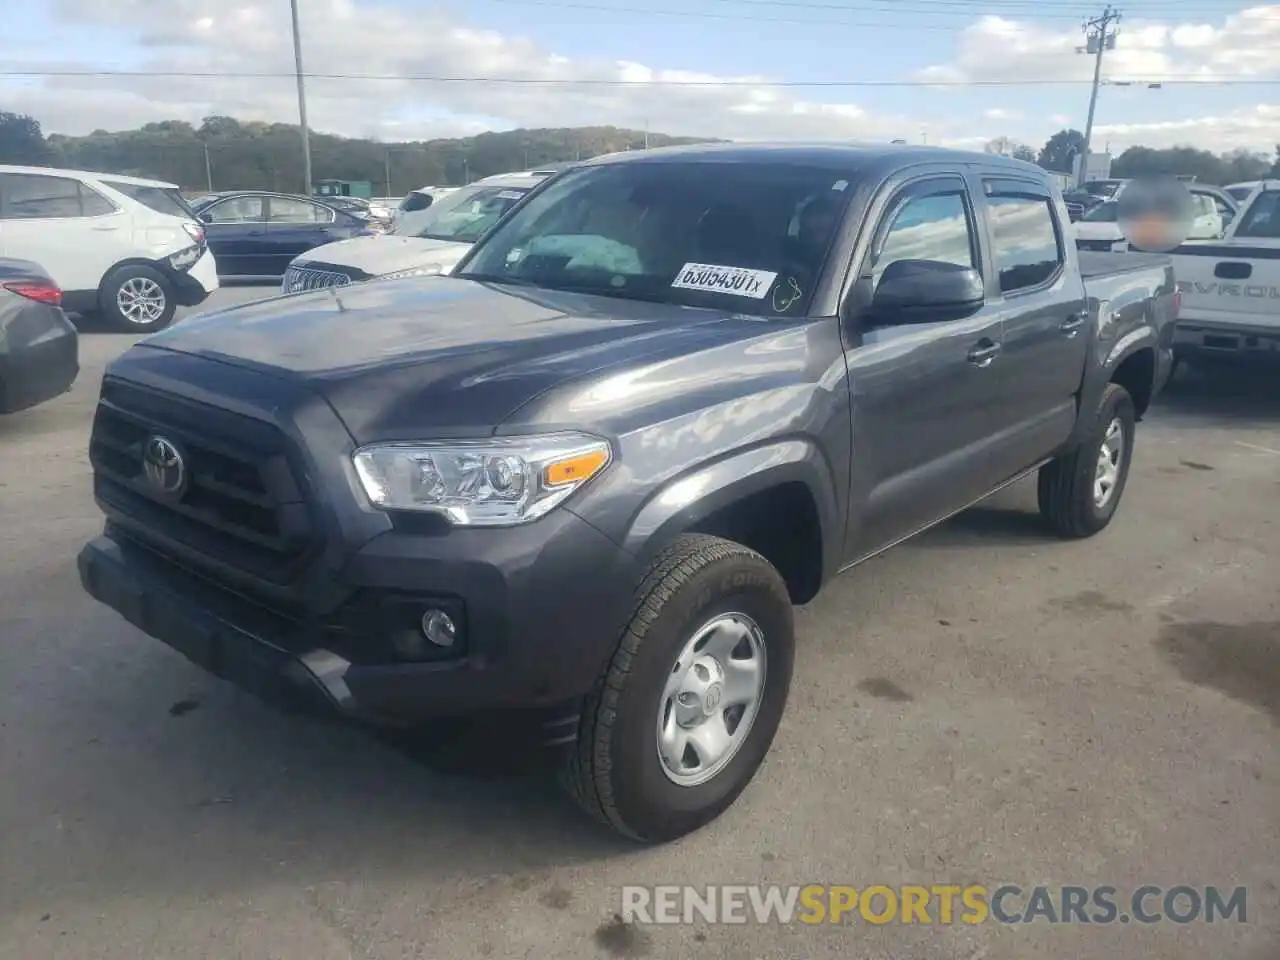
x,y
39,347
254,234
1240,191
126,249
1213,209
1231,287
446,231
405,218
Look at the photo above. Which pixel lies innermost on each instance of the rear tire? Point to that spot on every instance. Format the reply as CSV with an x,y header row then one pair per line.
x,y
1079,492
136,298
712,620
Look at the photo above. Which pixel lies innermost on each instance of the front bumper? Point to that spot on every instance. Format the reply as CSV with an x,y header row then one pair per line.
x,y
192,287
40,368
539,622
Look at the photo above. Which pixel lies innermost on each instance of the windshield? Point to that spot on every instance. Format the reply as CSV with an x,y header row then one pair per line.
x,y
465,214
1102,213
746,237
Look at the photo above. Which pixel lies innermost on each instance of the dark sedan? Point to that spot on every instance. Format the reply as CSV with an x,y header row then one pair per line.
x,y
254,234
39,348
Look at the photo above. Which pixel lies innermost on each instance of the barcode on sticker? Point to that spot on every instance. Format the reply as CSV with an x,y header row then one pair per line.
x,y
736,281
510,195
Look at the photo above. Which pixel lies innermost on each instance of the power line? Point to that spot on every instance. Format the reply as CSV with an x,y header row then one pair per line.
x,y
1187,79
1029,9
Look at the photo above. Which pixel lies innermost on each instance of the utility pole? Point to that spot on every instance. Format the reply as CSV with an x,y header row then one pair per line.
x,y
386,164
1100,37
208,166
302,98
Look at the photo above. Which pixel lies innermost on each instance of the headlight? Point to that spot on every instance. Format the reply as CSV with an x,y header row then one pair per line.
x,y
426,270
185,259
499,481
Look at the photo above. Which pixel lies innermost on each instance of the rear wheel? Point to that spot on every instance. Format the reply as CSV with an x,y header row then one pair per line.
x,y
1079,493
688,707
136,298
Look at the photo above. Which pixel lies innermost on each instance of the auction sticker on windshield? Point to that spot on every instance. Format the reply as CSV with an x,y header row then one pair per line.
x,y
738,281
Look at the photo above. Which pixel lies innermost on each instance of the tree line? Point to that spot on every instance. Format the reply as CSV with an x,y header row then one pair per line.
x,y
223,153
1061,149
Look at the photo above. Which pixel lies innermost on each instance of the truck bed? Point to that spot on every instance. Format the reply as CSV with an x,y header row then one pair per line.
x,y
1096,263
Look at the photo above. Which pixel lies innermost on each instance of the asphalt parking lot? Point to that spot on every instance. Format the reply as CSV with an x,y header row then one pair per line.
x,y
983,705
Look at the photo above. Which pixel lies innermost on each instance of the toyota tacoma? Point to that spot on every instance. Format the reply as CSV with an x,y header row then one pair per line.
x,y
664,399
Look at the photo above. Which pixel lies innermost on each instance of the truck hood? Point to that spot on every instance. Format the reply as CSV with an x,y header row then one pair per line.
x,y
438,356
386,253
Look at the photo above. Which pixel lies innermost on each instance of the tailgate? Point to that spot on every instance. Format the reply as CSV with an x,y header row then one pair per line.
x,y
1229,284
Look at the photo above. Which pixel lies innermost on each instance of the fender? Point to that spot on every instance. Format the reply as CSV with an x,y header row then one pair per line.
x,y
692,497
1111,348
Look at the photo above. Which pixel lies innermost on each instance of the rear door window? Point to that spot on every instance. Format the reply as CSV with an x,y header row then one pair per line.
x,y
1025,240
236,210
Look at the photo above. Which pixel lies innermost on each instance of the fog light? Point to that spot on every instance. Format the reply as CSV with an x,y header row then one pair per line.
x,y
438,627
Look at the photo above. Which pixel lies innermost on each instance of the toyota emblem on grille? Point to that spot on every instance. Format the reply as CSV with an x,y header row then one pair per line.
x,y
164,466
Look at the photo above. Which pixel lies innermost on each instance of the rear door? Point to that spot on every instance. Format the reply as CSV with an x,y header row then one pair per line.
x,y
296,226
1042,300
926,397
64,225
236,231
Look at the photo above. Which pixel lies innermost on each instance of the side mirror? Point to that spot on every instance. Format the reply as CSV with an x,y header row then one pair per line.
x,y
926,291
206,217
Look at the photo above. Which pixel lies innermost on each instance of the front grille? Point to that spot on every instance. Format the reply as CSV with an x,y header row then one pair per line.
x,y
1075,211
241,504
298,279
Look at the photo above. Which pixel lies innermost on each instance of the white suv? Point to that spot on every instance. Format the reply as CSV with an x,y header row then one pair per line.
x,y
127,249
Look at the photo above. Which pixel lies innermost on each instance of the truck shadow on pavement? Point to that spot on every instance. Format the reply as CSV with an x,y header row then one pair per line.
x,y
1241,660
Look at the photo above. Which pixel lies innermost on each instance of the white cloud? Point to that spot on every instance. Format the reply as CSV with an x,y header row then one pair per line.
x,y
253,37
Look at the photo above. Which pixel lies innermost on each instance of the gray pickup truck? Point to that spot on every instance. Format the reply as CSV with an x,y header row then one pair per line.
x,y
665,398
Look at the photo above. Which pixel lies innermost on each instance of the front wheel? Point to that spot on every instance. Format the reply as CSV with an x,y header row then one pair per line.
x,y
1079,492
689,705
136,298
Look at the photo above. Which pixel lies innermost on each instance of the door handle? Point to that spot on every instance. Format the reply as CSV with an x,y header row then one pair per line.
x,y
106,227
1233,271
983,353
1071,326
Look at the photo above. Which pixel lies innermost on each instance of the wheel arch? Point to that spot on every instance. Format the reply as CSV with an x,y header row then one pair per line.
x,y
778,499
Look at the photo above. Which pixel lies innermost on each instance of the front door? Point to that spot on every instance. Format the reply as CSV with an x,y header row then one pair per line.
x,y
236,230
926,397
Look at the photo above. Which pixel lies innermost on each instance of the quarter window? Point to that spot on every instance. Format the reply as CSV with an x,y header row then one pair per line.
x,y
1024,241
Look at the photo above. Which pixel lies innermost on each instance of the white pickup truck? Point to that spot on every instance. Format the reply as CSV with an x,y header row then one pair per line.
x,y
1231,287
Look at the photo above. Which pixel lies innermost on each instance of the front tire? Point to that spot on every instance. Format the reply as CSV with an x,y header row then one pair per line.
x,y
1079,492
137,299
687,708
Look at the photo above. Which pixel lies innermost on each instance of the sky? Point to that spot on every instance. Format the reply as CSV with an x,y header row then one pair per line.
x,y
954,72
